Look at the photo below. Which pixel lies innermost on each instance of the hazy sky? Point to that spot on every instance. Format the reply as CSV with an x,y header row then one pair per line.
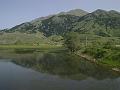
x,y
13,12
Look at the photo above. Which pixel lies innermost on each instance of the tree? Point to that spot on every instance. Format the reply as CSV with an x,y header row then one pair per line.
x,y
72,41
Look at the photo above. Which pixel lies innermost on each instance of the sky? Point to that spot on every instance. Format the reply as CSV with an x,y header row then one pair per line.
x,y
14,12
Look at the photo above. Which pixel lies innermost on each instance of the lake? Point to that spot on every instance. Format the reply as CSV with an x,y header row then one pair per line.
x,y
54,71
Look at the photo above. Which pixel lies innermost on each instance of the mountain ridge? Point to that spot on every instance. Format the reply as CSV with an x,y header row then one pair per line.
x,y
99,22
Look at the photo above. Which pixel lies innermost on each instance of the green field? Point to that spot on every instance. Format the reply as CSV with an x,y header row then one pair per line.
x,y
42,46
30,48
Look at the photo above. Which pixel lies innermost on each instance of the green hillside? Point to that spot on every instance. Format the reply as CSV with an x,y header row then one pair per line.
x,y
50,25
23,38
100,22
51,29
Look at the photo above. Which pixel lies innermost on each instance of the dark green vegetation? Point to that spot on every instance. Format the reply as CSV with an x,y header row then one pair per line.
x,y
101,51
96,34
72,41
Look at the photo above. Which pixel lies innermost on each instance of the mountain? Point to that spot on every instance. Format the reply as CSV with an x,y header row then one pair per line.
x,y
50,25
55,25
100,22
76,12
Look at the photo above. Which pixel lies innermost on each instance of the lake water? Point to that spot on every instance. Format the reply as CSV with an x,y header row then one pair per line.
x,y
54,71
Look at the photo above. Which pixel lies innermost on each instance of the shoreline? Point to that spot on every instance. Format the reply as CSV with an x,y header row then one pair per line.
x,y
57,48
93,60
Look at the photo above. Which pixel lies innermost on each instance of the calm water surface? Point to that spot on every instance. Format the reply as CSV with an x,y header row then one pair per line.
x,y
54,71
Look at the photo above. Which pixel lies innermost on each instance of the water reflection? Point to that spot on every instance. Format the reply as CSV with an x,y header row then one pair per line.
x,y
65,66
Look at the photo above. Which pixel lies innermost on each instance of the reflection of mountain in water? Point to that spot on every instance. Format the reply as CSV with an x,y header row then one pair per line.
x,y
66,66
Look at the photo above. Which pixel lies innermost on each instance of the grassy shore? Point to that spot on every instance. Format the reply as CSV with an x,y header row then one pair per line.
x,y
44,46
53,48
31,48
